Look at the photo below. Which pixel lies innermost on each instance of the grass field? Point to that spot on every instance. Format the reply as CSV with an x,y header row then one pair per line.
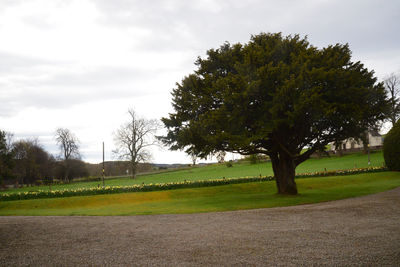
x,y
218,198
240,169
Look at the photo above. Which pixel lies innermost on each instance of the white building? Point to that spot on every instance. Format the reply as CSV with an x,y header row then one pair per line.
x,y
374,138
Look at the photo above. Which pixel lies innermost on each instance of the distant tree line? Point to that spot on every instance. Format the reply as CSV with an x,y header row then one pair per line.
x,y
26,162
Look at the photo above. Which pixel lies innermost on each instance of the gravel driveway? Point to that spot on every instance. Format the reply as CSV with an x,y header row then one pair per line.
x,y
358,231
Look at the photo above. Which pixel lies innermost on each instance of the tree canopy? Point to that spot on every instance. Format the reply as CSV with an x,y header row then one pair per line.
x,y
32,162
69,148
275,95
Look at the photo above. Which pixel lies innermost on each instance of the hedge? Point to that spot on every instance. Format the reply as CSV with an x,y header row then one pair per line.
x,y
391,148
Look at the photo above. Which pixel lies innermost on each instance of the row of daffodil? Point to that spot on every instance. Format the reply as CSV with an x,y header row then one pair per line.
x,y
341,172
125,189
166,186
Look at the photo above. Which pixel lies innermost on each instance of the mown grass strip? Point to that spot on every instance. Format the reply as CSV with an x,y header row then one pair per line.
x,y
167,186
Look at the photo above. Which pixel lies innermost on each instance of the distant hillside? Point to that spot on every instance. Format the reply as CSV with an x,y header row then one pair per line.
x,y
115,168
119,168
169,166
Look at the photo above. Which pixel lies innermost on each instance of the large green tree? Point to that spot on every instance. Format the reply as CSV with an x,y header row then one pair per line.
x,y
276,96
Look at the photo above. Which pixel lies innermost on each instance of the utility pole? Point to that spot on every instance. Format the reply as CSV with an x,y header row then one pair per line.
x,y
369,161
103,167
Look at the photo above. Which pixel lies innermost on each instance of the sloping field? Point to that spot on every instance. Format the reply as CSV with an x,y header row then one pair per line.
x,y
240,169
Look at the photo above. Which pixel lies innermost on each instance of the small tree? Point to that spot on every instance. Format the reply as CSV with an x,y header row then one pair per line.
x,y
391,148
193,157
220,155
392,84
133,138
69,148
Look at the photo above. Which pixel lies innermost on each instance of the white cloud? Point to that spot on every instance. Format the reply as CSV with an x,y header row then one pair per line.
x,y
81,64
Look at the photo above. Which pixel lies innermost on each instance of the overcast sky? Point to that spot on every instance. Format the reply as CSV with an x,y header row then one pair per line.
x,y
81,64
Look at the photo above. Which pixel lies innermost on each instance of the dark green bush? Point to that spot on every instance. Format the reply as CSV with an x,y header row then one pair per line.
x,y
391,148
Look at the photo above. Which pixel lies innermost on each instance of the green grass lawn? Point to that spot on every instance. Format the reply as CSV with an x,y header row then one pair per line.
x,y
240,169
207,199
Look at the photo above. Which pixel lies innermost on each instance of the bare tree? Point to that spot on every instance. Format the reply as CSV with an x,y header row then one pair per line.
x,y
392,84
133,138
69,147
220,155
193,157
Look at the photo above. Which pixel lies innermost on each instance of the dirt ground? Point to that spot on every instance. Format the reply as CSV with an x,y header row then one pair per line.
x,y
361,231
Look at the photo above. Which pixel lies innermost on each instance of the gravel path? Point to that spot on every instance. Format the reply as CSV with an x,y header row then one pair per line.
x,y
359,231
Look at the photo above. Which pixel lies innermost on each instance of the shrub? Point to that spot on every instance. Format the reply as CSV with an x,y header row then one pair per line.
x,y
229,164
391,148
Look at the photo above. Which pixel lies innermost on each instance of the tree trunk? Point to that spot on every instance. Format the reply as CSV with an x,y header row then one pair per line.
x,y
66,175
284,172
365,140
134,169
365,148
340,150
